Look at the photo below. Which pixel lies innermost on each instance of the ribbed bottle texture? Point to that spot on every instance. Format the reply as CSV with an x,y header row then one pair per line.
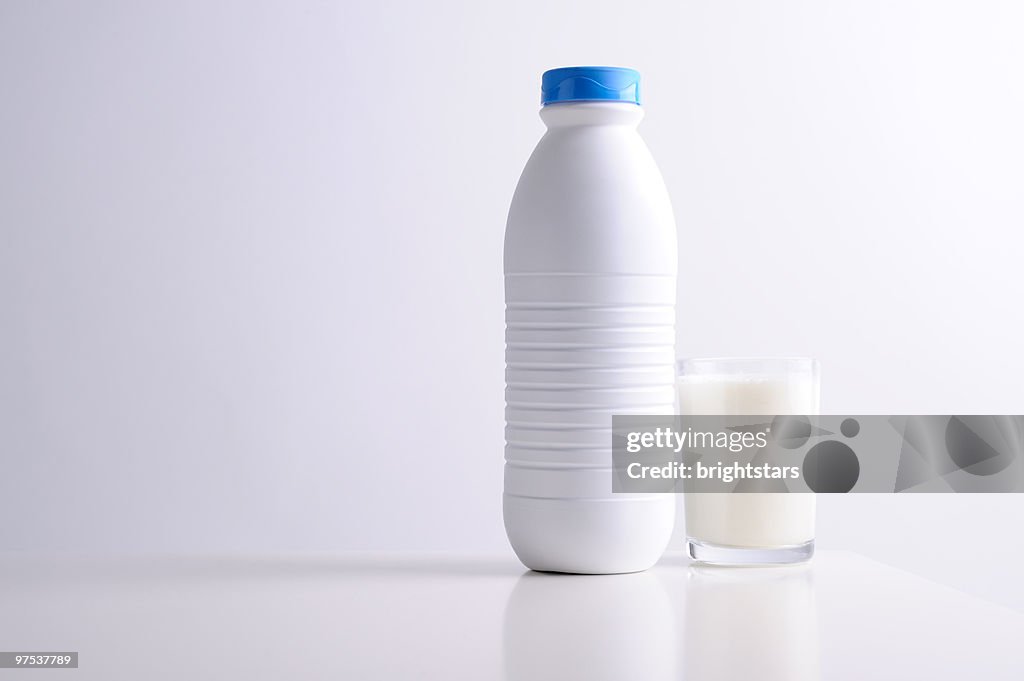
x,y
579,349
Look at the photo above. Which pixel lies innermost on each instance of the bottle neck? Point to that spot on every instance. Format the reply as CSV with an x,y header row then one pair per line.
x,y
566,114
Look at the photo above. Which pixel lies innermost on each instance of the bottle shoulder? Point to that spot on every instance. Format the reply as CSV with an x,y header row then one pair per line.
x,y
595,163
593,199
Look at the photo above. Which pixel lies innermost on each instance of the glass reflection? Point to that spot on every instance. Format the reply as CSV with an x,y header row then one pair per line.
x,y
750,623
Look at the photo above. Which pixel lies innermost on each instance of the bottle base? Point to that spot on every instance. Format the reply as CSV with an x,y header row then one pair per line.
x,y
614,535
720,554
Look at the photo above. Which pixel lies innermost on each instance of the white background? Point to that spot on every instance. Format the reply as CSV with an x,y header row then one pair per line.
x,y
250,252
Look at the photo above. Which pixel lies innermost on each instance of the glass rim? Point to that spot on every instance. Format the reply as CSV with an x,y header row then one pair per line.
x,y
746,365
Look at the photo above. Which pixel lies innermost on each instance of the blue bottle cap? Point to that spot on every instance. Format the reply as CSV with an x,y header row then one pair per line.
x,y
590,84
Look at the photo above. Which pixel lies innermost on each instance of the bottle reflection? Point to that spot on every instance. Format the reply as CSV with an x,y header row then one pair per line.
x,y
589,627
751,623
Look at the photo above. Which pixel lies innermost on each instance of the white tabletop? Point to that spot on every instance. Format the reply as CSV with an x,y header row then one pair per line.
x,y
406,616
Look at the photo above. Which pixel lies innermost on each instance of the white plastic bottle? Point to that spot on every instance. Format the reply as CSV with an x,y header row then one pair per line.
x,y
590,289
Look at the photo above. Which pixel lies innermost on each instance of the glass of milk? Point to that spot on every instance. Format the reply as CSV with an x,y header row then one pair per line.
x,y
745,528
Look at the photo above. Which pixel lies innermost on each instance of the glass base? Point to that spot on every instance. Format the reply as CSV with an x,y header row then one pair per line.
x,y
720,554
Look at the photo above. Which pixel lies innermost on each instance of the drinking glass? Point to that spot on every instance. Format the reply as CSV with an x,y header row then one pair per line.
x,y
744,528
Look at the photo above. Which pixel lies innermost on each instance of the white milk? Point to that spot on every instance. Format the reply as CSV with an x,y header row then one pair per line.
x,y
749,519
